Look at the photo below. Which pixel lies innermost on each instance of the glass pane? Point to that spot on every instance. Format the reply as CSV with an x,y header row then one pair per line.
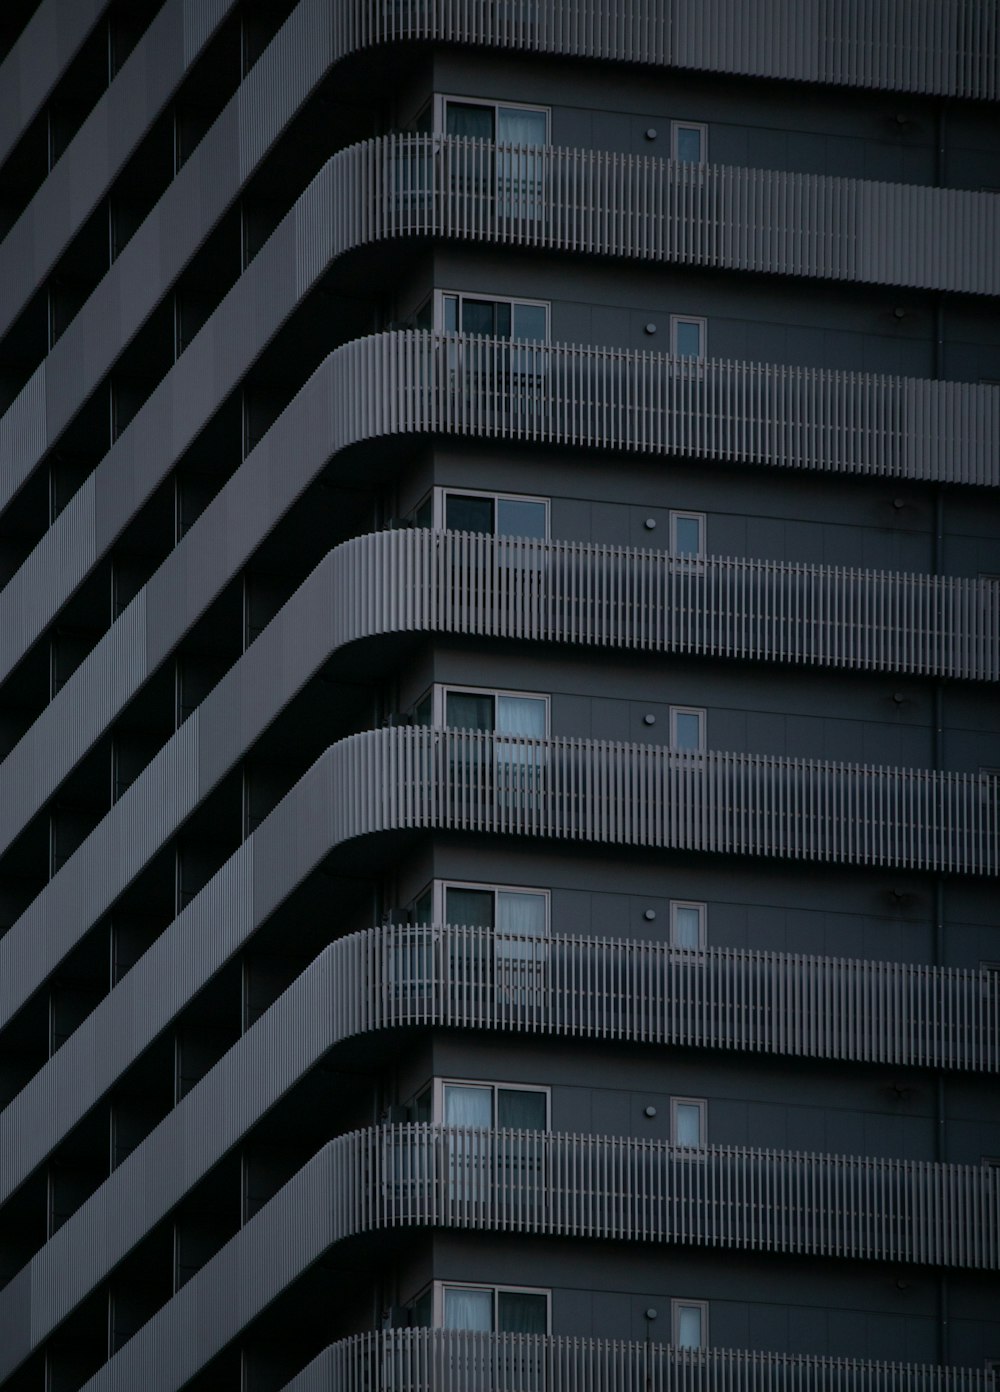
x,y
687,536
687,927
689,145
461,118
479,317
688,339
521,715
424,515
423,907
520,1313
520,519
687,730
468,1309
450,315
424,317
470,908
530,323
468,1106
687,1124
516,127
423,710
521,1110
465,514
523,914
689,1326
467,710
422,1107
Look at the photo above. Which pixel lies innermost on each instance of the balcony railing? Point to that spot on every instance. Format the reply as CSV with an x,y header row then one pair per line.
x,y
609,988
448,1360
950,48
664,211
578,592
648,795
648,1191
651,403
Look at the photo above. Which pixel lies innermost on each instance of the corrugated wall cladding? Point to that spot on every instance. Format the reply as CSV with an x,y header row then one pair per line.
x,y
97,153
410,383
569,1186
556,592
464,978
415,580
448,1360
48,44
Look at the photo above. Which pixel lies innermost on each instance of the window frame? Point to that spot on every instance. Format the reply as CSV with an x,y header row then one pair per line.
x,y
441,294
702,908
675,321
675,515
702,713
438,1086
679,1303
439,890
675,129
439,1286
438,499
702,1105
439,696
441,100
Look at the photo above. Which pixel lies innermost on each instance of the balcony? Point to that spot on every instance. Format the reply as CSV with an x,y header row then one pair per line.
x,y
952,52
655,404
657,210
445,1360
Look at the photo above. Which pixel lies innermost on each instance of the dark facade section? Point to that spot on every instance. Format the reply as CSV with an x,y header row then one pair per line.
x,y
499,636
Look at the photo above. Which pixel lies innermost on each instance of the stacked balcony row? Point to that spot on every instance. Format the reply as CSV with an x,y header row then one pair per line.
x,y
566,1186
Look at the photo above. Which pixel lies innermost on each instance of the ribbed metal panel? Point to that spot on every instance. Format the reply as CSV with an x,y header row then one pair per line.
x,y
98,151
554,592
568,1186
50,40
748,413
467,978
447,1360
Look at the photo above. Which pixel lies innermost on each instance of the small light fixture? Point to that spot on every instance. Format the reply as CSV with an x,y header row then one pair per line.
x,y
650,1313
650,132
649,719
899,504
898,697
649,915
650,524
650,328
650,1112
899,312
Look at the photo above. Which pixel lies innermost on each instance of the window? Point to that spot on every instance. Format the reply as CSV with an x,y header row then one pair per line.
x,y
689,1321
492,514
501,122
484,1309
689,142
687,534
687,923
688,1121
688,336
490,1106
687,728
518,920
517,912
525,321
500,712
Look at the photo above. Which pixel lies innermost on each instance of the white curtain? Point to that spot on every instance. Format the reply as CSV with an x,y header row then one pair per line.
x,y
468,1309
468,1106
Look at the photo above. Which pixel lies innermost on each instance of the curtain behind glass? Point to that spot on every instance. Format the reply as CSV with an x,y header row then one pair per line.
x,y
475,122
521,1110
467,710
689,1327
470,908
518,517
515,127
521,914
468,1309
687,927
468,1106
520,715
520,1313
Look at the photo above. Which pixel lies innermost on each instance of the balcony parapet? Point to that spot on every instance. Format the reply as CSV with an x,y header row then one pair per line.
x,y
577,1187
655,210
450,1360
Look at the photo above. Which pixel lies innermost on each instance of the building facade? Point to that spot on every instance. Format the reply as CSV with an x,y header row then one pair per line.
x,y
498,656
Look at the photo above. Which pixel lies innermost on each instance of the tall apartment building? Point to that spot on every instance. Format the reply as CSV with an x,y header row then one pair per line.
x,y
498,643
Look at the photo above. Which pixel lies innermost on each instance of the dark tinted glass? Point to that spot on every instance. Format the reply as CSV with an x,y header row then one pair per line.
x,y
465,514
